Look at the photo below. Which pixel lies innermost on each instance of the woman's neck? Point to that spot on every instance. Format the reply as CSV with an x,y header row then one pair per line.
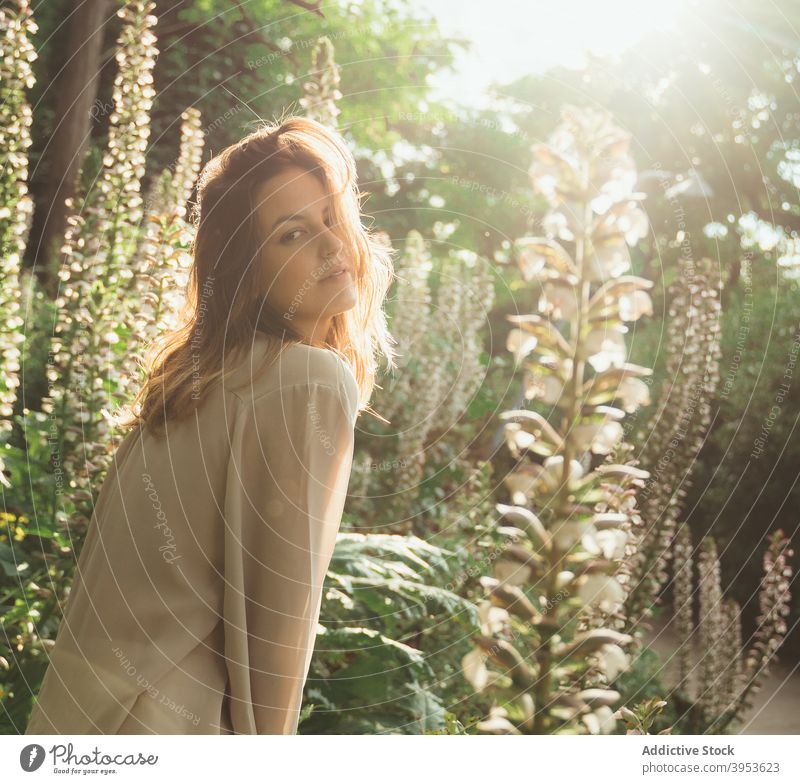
x,y
314,333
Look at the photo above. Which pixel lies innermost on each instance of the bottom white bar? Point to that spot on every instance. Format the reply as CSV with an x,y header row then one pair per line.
x,y
395,758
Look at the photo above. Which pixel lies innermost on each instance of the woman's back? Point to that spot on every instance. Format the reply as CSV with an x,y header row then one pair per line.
x,y
202,569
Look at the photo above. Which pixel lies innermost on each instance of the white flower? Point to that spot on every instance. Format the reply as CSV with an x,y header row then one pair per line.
x,y
600,721
611,660
517,438
558,300
475,671
633,224
545,386
601,590
600,436
605,348
563,579
492,618
609,259
609,542
521,343
633,392
553,469
569,532
634,305
607,721
566,222
539,254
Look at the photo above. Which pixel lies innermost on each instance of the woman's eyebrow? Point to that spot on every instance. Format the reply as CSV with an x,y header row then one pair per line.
x,y
286,218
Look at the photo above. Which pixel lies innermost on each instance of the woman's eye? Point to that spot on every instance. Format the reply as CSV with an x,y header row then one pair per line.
x,y
288,236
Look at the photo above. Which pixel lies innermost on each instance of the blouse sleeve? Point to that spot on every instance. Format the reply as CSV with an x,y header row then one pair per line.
x,y
291,458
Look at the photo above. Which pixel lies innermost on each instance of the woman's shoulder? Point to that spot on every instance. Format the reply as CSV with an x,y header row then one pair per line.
x,y
301,363
268,367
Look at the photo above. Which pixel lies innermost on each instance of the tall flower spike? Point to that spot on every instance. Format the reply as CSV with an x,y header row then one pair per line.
x,y
100,238
617,505
710,629
411,313
731,681
571,462
476,303
434,366
439,342
682,563
321,89
16,206
774,603
671,444
156,298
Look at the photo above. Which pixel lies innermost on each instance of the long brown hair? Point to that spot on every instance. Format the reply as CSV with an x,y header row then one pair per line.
x,y
225,293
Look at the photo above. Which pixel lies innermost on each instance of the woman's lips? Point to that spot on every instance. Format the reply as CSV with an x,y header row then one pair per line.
x,y
338,274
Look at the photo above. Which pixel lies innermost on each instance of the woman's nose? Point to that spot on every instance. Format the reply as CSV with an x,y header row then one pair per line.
x,y
331,244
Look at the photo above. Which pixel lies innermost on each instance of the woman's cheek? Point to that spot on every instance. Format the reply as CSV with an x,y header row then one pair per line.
x,y
299,292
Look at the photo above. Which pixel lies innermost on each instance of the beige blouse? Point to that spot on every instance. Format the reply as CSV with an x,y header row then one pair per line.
x,y
198,589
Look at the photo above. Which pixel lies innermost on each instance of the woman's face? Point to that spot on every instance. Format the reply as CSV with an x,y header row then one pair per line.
x,y
308,270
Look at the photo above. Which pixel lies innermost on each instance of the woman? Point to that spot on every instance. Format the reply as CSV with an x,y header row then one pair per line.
x,y
198,589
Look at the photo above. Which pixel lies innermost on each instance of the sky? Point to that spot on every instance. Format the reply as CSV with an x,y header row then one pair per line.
x,y
516,37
